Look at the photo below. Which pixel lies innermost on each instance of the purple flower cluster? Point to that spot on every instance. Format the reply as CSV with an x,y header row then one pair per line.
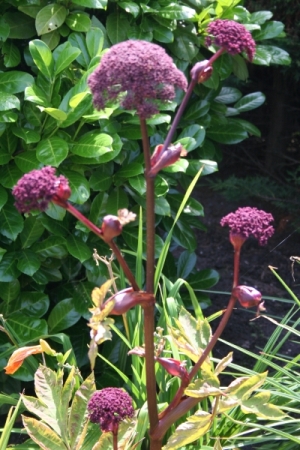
x,y
232,36
250,221
37,188
139,69
108,407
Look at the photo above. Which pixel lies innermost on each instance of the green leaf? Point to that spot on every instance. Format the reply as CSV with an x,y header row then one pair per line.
x,y
204,279
260,17
94,41
52,247
197,132
117,26
262,57
77,40
33,304
12,56
43,435
11,222
101,178
50,18
62,316
198,109
10,175
95,4
10,291
51,39
28,262
52,151
177,12
131,238
35,94
161,33
240,69
128,171
78,21
78,409
27,329
42,56
228,95
78,248
56,113
20,25
92,144
258,405
187,432
268,31
79,186
278,55
63,56
249,127
250,101
231,133
3,197
117,200
162,207
27,161
29,136
14,81
8,268
130,7
4,30
183,47
186,263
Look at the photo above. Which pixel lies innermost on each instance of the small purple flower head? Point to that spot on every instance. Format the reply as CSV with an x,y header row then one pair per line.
x,y
109,407
139,69
39,187
249,221
232,36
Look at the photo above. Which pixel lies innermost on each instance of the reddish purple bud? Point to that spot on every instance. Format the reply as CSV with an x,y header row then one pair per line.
x,y
127,299
201,71
111,227
36,189
232,36
174,367
247,296
248,221
161,159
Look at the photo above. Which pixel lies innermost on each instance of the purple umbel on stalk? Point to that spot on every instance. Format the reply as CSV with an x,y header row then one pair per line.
x,y
109,407
39,187
232,36
249,221
142,71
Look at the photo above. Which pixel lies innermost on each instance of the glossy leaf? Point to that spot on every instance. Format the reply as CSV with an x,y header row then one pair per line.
x,y
78,248
63,56
21,26
52,151
27,329
78,21
77,40
11,222
260,17
27,161
178,12
3,197
228,95
92,144
10,291
94,41
131,238
42,57
33,304
97,4
204,279
13,82
8,268
62,316
101,178
79,187
52,247
117,200
28,262
268,31
117,26
227,134
198,109
186,263
250,101
50,18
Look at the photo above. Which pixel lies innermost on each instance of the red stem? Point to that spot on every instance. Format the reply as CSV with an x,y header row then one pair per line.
x,y
98,232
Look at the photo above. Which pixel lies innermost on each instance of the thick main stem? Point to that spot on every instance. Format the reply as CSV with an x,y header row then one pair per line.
x,y
149,309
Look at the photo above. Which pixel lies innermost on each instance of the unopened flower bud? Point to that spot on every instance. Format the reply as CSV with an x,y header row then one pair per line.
x,y
127,299
247,296
174,367
161,159
111,227
201,71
